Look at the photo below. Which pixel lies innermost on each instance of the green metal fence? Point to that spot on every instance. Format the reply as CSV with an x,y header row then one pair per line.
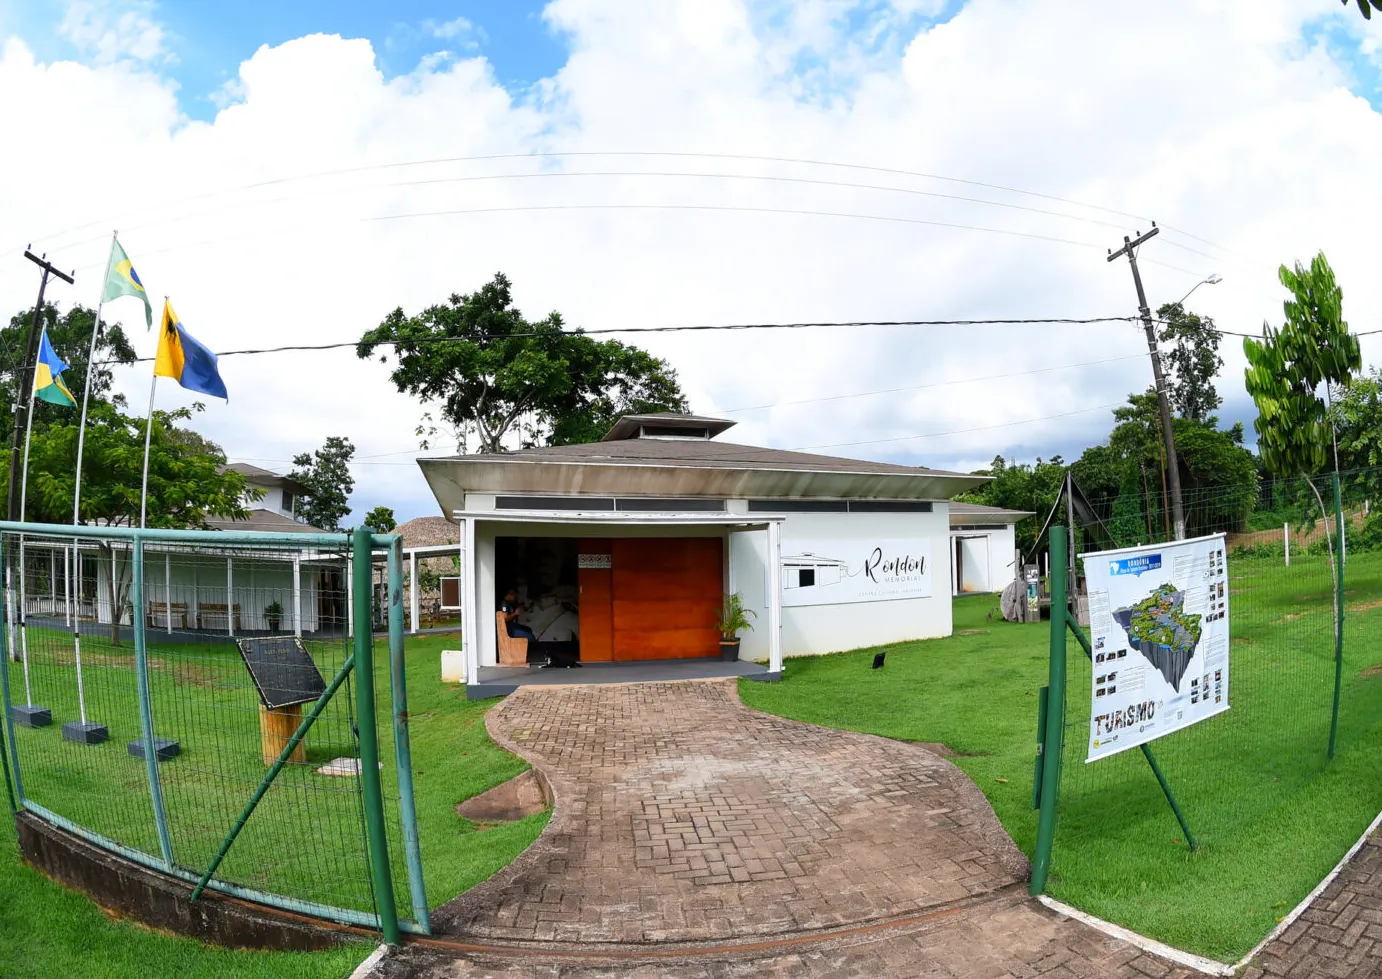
x,y
1299,652
133,720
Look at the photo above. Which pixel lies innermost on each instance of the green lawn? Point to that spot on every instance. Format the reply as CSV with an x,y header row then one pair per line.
x,y
49,931
305,840
1272,818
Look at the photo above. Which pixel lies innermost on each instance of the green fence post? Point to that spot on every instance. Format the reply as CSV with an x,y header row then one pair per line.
x,y
1054,738
362,553
403,751
1338,614
14,790
146,709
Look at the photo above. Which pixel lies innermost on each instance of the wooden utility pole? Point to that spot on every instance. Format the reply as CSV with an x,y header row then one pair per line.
x,y
25,380
1168,435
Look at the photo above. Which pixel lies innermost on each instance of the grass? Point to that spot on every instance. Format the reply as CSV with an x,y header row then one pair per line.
x,y
1272,816
49,931
306,839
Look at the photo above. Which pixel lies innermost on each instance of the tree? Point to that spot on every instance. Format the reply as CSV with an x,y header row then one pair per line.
x,y
1366,8
1191,353
70,335
1020,486
326,476
1356,418
1285,371
381,518
186,485
494,374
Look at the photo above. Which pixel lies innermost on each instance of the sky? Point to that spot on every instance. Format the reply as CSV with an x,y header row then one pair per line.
x,y
292,173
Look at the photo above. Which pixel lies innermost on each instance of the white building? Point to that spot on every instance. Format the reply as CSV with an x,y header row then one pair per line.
x,y
283,590
638,537
982,547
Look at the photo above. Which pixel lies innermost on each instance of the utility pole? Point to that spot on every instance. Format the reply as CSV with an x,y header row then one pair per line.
x,y
1167,434
26,377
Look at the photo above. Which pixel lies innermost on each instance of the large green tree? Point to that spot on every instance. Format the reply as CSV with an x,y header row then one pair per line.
x,y
326,476
70,334
1286,370
1356,419
187,485
1022,486
1190,350
494,375
381,518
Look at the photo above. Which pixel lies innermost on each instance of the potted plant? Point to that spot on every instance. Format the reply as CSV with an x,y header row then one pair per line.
x,y
734,619
273,612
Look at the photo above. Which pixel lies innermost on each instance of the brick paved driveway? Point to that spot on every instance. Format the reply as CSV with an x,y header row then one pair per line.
x,y
682,815
1340,934
696,839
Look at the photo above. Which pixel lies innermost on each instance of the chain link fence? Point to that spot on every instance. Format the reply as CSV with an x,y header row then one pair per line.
x,y
198,702
1233,775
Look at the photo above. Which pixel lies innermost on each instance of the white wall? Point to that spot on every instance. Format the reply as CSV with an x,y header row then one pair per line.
x,y
998,543
192,579
810,629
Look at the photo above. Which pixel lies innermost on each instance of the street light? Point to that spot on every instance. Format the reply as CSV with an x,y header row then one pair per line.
x,y
1213,280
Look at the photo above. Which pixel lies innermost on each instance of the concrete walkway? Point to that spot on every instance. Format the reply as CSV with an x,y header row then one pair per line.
x,y
693,837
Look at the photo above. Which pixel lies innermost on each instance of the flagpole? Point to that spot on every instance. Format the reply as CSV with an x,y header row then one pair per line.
x,y
23,601
86,387
74,589
148,431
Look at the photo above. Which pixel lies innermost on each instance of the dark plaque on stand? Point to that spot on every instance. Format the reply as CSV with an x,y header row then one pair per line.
x,y
286,678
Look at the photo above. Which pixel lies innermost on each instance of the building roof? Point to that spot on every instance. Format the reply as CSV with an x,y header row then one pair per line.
x,y
264,477
428,532
966,513
268,520
683,467
668,423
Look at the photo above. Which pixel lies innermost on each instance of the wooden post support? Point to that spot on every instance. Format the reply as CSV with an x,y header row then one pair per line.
x,y
275,728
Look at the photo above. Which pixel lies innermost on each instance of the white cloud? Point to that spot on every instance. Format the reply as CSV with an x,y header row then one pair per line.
x,y
460,30
107,31
1216,120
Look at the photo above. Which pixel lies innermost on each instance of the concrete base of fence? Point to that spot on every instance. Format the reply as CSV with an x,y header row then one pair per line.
x,y
164,748
85,732
136,892
29,715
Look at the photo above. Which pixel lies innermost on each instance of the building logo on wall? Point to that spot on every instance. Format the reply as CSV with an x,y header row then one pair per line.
x,y
842,572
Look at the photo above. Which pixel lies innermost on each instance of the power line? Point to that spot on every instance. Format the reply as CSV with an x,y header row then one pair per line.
x,y
538,155
962,431
936,384
688,328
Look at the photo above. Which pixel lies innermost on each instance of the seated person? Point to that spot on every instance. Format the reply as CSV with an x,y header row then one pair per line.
x,y
511,609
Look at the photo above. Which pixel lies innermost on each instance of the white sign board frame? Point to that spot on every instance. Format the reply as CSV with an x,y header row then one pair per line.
x,y
1159,630
842,572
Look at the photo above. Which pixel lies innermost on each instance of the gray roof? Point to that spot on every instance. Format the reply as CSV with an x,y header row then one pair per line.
x,y
682,468
629,426
962,512
264,477
264,520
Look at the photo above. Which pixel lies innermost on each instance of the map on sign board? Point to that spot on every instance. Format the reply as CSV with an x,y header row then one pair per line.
x,y
1159,632
282,671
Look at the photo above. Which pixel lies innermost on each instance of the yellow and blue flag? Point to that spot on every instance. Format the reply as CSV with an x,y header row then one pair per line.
x,y
48,383
185,360
123,280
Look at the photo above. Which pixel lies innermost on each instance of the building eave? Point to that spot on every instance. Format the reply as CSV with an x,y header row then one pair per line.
x,y
450,479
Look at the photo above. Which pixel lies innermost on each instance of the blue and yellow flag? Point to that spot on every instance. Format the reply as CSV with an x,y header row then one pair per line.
x,y
48,383
123,280
185,360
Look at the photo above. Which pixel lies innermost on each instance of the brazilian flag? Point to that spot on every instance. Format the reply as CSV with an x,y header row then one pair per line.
x,y
123,280
48,382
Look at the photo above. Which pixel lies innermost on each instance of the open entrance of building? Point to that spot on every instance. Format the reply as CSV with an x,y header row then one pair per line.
x,y
614,600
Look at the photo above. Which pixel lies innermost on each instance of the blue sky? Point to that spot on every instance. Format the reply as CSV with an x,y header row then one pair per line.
x,y
210,39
